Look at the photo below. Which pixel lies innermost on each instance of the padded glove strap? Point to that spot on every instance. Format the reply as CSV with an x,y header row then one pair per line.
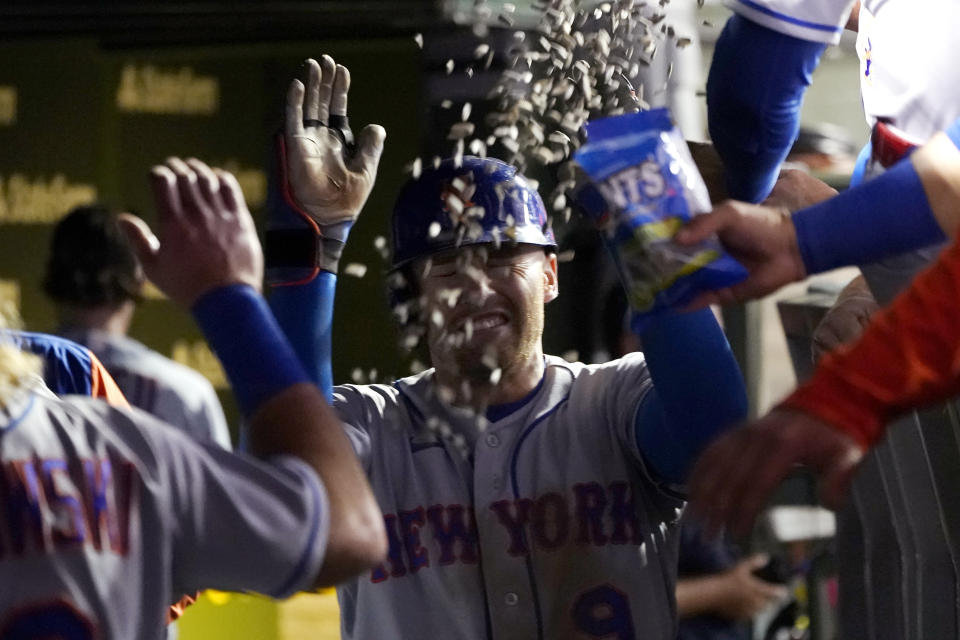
x,y
297,248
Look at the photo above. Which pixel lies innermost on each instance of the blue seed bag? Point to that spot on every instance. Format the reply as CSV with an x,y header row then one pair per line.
x,y
642,187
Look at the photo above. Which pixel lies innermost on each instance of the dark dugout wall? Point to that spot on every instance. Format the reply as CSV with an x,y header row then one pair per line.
x,y
90,98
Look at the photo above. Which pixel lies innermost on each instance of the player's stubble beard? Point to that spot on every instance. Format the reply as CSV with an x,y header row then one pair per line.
x,y
519,357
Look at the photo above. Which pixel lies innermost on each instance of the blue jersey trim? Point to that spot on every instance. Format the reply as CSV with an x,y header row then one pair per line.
x,y
516,496
67,367
297,572
16,421
785,18
501,411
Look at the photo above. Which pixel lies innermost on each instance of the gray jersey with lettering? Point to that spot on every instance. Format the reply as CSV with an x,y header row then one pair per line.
x,y
176,394
546,524
109,516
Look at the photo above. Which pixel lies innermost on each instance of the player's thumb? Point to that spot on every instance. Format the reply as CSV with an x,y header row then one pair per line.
x,y
702,227
144,243
369,149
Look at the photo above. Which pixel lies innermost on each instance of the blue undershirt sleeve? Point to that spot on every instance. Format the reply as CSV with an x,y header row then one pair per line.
x,y
754,93
698,392
305,314
882,217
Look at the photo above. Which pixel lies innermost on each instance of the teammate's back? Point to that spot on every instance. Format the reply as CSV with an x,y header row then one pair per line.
x,y
158,385
101,531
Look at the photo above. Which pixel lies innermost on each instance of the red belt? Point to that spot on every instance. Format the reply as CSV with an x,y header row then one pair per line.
x,y
888,147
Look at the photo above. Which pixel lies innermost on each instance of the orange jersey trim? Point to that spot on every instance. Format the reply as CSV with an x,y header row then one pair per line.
x,y
102,384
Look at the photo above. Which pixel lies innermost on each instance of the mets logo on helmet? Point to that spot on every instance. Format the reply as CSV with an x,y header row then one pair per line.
x,y
457,195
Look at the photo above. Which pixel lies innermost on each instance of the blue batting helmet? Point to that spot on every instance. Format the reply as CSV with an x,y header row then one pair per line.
x,y
483,200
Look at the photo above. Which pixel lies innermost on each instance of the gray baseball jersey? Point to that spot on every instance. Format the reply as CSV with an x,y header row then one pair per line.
x,y
110,515
546,524
176,394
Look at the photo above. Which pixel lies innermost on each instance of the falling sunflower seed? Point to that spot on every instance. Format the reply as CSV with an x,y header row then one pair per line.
x,y
355,269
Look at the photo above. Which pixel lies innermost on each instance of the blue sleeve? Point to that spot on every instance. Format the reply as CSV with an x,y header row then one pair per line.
x,y
698,391
67,368
882,217
754,93
305,314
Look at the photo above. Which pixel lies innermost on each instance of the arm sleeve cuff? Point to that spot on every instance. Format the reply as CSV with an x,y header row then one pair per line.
x,y
885,216
814,20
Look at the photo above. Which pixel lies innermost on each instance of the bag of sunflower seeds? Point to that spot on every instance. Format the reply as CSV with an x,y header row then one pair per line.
x,y
641,186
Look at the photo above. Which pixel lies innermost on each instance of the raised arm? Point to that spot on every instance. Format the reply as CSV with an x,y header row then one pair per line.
x,y
698,391
208,259
754,94
321,183
914,204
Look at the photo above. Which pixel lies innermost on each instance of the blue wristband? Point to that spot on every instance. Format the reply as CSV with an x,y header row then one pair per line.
x,y
245,336
886,216
754,94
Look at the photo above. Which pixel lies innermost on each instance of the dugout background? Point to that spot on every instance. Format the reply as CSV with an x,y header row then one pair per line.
x,y
88,118
92,95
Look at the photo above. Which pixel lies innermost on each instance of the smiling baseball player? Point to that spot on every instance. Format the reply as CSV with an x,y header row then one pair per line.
x,y
524,496
110,514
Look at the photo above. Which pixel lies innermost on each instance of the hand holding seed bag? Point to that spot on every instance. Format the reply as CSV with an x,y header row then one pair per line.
x,y
642,188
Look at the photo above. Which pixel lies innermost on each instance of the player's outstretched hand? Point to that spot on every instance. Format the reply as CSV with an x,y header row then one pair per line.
x,y
846,320
746,594
761,238
796,189
327,180
207,238
735,476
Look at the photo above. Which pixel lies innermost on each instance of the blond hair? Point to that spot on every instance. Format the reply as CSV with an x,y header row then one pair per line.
x,y
17,367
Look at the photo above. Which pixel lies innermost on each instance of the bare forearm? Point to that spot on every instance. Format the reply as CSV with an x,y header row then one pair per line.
x,y
701,595
298,421
938,165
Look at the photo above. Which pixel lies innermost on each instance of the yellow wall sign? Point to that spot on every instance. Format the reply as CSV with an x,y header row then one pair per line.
x,y
8,106
31,200
149,89
197,355
253,182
